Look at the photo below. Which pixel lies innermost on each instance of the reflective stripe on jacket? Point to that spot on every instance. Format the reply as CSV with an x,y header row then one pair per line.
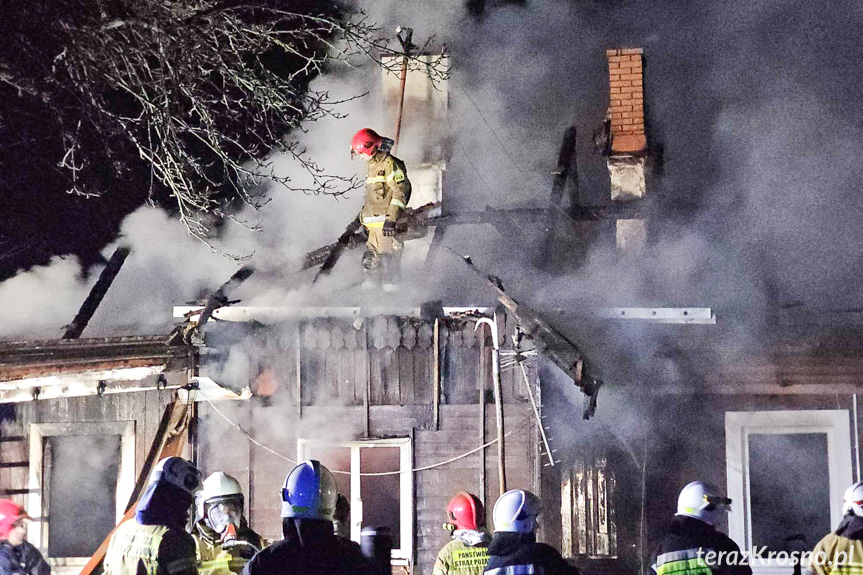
x,y
150,549
678,553
684,562
520,554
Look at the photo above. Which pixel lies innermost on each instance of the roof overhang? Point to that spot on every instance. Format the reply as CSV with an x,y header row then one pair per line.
x,y
275,314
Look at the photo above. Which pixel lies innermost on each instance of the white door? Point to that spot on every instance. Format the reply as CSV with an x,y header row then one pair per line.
x,y
787,471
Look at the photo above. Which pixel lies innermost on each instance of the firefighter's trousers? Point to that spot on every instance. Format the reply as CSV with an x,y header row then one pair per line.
x,y
382,257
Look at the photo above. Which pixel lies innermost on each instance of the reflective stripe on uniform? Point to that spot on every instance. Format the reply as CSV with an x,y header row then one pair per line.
x,y
684,562
398,203
376,180
512,570
374,221
849,569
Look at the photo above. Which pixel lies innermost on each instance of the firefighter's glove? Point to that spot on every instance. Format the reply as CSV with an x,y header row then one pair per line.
x,y
389,228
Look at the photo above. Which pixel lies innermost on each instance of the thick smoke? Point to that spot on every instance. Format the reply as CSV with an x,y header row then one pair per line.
x,y
752,119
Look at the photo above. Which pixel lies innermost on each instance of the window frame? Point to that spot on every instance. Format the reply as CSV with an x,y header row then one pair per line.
x,y
739,425
39,532
404,554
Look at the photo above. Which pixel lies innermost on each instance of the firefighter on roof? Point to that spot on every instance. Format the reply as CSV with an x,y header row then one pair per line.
x,y
224,541
388,191
467,553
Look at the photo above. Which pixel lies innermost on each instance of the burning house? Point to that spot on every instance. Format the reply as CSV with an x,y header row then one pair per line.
x,y
604,412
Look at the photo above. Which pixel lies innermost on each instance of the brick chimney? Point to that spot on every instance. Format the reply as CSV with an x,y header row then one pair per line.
x,y
628,146
627,101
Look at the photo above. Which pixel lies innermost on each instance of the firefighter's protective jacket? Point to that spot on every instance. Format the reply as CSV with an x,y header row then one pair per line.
x,y
693,547
388,190
137,549
840,552
22,559
215,559
155,542
520,554
309,548
459,557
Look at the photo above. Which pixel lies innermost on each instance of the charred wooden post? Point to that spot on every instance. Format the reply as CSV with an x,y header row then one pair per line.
x,y
91,304
561,175
404,36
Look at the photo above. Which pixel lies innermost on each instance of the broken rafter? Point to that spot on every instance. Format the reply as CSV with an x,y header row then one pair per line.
x,y
550,342
407,227
91,304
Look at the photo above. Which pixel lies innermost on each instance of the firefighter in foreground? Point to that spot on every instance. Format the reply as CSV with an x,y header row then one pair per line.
x,y
155,542
692,545
224,541
513,549
17,556
309,546
841,552
467,553
388,191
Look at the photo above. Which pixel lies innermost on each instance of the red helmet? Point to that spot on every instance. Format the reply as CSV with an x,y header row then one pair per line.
x,y
465,511
10,512
366,141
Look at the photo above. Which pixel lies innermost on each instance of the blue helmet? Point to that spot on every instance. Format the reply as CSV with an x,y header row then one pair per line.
x,y
178,472
309,492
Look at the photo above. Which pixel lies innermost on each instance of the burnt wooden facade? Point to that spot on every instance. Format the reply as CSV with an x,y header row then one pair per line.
x,y
337,382
128,408
615,488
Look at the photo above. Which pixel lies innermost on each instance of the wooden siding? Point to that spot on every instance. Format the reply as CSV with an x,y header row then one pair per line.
x,y
144,408
39,358
391,357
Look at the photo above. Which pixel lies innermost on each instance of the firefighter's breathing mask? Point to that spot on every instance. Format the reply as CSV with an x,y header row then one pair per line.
x,y
225,512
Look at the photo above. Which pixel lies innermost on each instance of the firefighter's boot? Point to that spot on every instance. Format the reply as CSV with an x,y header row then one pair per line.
x,y
371,269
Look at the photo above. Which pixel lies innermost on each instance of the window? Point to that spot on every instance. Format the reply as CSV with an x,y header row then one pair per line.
x,y
786,474
587,514
81,478
376,501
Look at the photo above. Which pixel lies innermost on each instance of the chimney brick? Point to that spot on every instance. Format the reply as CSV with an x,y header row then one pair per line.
x,y
627,100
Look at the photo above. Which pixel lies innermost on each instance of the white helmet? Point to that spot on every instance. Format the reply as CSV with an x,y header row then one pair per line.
x,y
309,492
703,501
217,486
178,472
515,511
852,501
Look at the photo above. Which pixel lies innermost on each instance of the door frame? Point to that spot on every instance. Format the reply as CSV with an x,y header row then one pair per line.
x,y
739,425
